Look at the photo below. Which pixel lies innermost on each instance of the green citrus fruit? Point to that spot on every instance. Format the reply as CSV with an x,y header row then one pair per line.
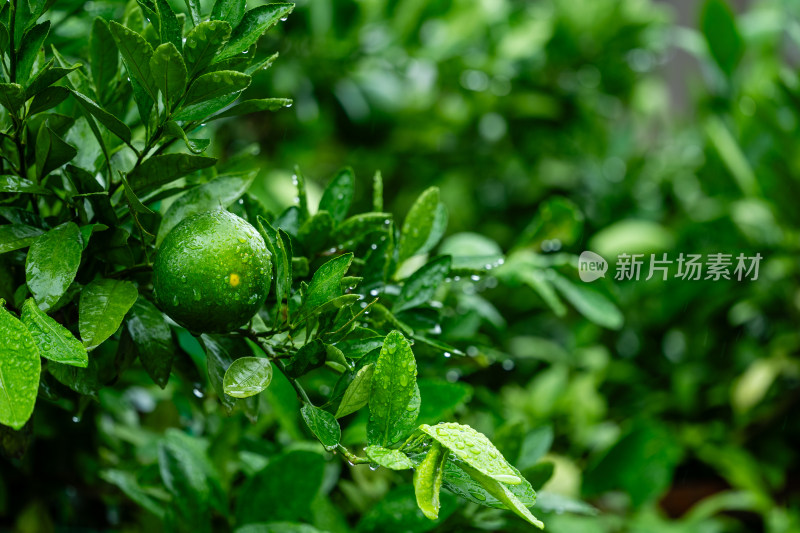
x,y
212,272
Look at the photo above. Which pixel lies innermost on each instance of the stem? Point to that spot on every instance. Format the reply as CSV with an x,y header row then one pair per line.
x,y
351,457
301,393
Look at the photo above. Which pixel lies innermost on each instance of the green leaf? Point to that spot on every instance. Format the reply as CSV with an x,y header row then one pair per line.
x,y
112,123
420,287
323,425
473,448
397,512
31,46
47,77
247,376
153,339
536,443
17,236
338,195
262,64
173,131
503,493
326,283
5,39
12,96
419,223
222,83
254,106
103,58
217,193
52,263
221,352
54,341
315,232
428,480
20,367
51,151
357,393
277,527
203,110
47,99
194,10
230,11
127,483
16,184
590,303
277,492
169,26
356,348
169,73
162,169
388,458
280,258
253,25
441,398
458,481
718,24
203,43
393,385
307,358
136,54
103,305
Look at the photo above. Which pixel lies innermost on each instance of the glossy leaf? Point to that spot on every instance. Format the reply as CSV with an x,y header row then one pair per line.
x,y
323,425
221,352
169,26
103,58
280,259
52,263
203,110
230,11
47,99
253,25
54,341
17,236
356,348
30,48
326,283
307,358
247,376
20,367
169,72
420,287
428,480
153,339
458,481
194,10
173,131
217,193
162,169
254,106
12,96
419,223
16,184
357,393
203,43
47,77
215,85
103,305
338,195
473,448
136,53
52,151
393,385
114,125
388,458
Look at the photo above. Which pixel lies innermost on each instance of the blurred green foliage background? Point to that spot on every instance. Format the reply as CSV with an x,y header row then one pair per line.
x,y
552,127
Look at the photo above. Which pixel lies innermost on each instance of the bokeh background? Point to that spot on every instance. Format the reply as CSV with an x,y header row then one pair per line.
x,y
551,127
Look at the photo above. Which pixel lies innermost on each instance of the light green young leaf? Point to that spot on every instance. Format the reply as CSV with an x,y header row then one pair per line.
x,y
162,169
217,193
114,125
55,342
31,46
213,85
428,480
338,195
393,386
356,395
419,223
326,283
388,458
323,425
12,96
247,376
230,11
590,303
473,448
420,287
17,236
20,367
253,25
254,106
103,305
103,58
203,43
169,72
52,263
153,339
503,493
136,54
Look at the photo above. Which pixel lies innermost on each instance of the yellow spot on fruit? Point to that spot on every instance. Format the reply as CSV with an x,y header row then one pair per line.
x,y
234,280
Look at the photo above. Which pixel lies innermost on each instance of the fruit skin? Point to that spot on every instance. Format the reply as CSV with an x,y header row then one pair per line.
x,y
212,272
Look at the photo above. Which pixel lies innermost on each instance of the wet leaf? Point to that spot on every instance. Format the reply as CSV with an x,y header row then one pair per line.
x,y
12,96
203,43
338,195
136,54
323,425
222,83
16,236
20,367
54,341
230,11
114,125
153,339
29,50
247,376
169,72
52,263
388,458
326,283
420,287
428,480
103,305
162,169
393,385
419,223
254,106
357,393
253,25
103,58
280,258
